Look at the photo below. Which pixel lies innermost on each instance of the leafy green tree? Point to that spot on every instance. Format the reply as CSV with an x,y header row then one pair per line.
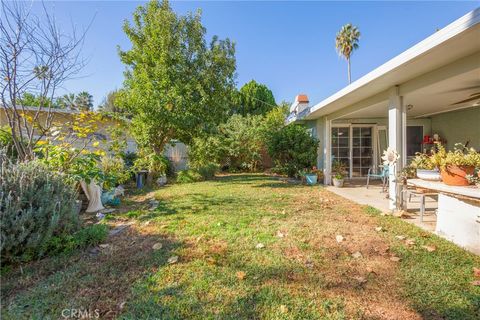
x,y
176,85
292,148
346,42
254,98
110,104
32,100
242,140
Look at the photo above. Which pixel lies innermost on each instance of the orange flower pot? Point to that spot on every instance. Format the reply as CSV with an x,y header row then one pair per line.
x,y
455,175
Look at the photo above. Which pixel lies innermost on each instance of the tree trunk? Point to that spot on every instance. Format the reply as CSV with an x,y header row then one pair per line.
x,y
349,75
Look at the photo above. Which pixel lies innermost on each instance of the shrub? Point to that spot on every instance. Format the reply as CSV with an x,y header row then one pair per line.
x,y
208,171
188,176
156,165
86,237
206,151
6,142
115,169
243,143
35,205
293,149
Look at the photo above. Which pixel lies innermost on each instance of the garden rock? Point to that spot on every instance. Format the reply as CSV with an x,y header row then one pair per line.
x,y
118,229
153,204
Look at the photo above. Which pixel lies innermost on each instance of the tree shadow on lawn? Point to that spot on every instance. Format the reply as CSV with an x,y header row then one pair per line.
x,y
194,203
226,297
93,279
280,184
242,178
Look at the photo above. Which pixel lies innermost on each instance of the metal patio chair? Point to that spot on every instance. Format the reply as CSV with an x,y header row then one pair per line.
x,y
383,175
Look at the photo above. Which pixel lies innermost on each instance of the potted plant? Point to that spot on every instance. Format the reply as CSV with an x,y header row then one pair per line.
x,y
425,168
311,176
457,164
474,179
338,170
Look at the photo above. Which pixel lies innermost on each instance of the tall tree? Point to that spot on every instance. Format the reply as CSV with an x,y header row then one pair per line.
x,y
37,57
109,103
84,101
346,42
254,98
175,83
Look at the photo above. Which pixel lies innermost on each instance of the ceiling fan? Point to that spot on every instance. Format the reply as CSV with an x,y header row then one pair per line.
x,y
472,97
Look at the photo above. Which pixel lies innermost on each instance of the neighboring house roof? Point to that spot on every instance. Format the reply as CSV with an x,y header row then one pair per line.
x,y
55,110
457,40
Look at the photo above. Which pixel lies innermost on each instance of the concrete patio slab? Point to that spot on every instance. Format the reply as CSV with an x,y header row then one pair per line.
x,y
355,190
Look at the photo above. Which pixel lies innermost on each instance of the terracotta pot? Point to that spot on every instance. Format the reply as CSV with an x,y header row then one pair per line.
x,y
455,175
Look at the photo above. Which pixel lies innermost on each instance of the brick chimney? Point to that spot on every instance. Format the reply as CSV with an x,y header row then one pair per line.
x,y
300,104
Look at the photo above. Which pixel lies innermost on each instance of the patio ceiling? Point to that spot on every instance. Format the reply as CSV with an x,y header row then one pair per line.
x,y
438,97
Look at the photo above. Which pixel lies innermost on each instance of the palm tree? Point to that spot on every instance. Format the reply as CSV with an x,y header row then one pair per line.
x,y
84,101
346,41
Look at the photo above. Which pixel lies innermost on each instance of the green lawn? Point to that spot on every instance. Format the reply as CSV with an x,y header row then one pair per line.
x,y
217,230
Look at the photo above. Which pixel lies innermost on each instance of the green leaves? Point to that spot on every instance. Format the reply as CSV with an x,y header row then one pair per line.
x,y
254,98
175,84
293,149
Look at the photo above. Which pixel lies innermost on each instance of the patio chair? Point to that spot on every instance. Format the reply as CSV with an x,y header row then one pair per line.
x,y
383,175
422,195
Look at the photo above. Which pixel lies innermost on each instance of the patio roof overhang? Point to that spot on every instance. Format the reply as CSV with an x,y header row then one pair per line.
x,y
431,76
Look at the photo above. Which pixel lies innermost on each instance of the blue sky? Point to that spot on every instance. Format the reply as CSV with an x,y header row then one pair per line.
x,y
289,46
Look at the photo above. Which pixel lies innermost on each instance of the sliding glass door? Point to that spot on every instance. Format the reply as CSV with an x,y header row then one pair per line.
x,y
353,146
362,151
341,146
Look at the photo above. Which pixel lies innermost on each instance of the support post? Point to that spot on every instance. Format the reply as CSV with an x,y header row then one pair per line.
x,y
396,141
327,152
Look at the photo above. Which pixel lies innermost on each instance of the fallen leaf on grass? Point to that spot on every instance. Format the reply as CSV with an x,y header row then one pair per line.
x,y
395,259
260,246
378,229
476,272
410,242
283,308
241,275
429,248
173,259
339,238
357,255
400,237
371,270
309,264
360,280
157,246
280,234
